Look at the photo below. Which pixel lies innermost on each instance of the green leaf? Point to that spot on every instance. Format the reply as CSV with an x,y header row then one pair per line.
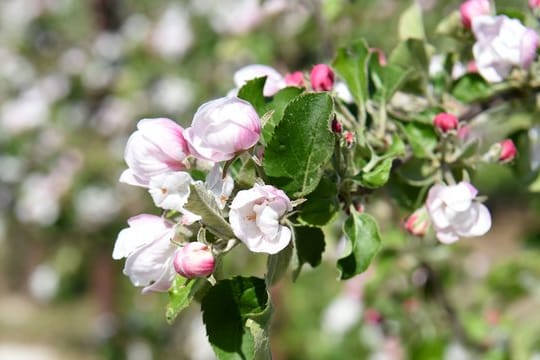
x,y
309,242
411,24
422,138
450,25
181,294
321,205
411,55
387,79
470,88
236,313
362,232
277,265
278,103
252,92
202,203
295,158
351,64
376,177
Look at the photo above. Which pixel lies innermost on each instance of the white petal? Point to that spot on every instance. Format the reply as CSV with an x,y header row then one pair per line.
x,y
129,177
482,223
447,236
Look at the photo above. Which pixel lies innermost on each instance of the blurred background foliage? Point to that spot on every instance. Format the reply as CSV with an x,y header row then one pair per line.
x,y
76,76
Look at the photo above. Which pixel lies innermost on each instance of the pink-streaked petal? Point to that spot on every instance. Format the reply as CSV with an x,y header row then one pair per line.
x,y
128,177
447,236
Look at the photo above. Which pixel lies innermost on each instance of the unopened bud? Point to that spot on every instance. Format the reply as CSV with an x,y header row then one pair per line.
x,y
349,138
534,4
194,260
336,126
464,132
380,56
508,150
295,79
418,222
322,78
473,8
445,122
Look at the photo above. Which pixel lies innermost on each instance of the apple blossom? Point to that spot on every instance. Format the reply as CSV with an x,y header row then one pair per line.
x,y
473,8
274,80
157,147
194,260
146,244
454,213
445,122
508,150
255,215
322,77
220,186
222,128
534,4
170,191
502,43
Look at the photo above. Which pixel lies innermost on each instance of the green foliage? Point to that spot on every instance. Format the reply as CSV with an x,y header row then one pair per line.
x,y
277,104
202,203
351,64
422,138
277,265
377,176
362,233
236,315
411,55
302,144
470,88
181,293
252,92
411,25
309,243
321,205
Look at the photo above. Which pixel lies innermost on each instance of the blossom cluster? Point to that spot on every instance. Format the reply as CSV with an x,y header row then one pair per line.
x,y
159,156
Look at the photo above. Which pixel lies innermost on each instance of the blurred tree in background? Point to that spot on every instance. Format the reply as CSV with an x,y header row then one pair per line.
x,y
76,76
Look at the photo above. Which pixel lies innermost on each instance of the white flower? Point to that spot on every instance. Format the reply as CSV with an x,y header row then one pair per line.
x,y
147,246
255,215
454,213
502,43
221,187
170,191
274,80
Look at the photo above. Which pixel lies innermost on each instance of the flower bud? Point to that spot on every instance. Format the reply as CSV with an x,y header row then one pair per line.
x,y
322,78
445,122
295,79
418,222
534,4
194,260
222,128
381,57
337,128
349,138
508,150
464,132
472,8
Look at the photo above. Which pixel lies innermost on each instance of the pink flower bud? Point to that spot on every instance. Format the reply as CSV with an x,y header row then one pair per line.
x,y
528,46
336,126
464,132
222,128
194,260
156,148
418,223
534,4
508,150
349,138
471,67
472,8
295,79
372,316
322,77
445,122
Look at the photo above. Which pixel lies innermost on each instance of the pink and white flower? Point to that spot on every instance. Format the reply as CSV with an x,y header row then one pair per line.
x,y
255,218
170,191
222,128
501,44
455,214
157,147
194,260
146,244
274,80
220,186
